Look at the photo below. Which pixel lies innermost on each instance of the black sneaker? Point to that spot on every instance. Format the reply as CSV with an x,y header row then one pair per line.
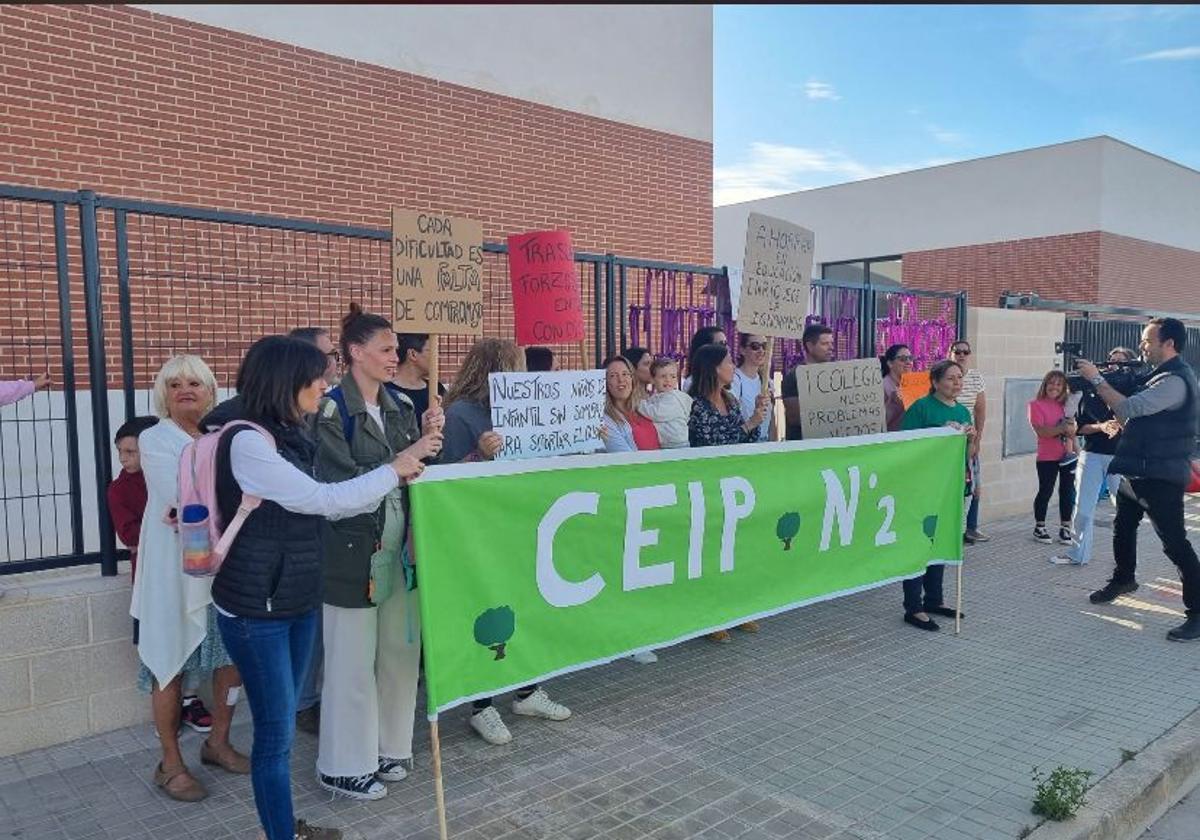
x,y
968,539
1112,591
1065,536
355,787
1189,631
1041,534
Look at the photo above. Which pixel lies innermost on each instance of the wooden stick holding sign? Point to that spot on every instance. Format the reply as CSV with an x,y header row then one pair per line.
x,y
437,289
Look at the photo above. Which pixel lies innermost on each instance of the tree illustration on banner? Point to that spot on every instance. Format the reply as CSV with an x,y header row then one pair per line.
x,y
494,627
929,526
786,529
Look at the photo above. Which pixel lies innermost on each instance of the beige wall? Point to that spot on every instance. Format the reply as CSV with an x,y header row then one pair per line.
x,y
1009,343
67,665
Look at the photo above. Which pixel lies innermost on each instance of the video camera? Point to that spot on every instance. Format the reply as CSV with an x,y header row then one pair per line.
x,y
1124,377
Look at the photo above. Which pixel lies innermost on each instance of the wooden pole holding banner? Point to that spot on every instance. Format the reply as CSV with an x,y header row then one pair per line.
x,y
438,790
958,601
764,375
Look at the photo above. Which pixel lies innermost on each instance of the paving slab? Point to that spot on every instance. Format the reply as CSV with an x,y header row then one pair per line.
x,y
835,721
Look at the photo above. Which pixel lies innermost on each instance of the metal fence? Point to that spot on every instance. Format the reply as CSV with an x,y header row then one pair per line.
x,y
665,305
100,291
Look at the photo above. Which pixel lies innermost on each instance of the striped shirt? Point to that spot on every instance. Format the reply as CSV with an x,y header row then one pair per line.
x,y
971,389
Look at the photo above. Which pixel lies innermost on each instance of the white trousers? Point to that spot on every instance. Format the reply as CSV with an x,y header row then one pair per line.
x,y
370,692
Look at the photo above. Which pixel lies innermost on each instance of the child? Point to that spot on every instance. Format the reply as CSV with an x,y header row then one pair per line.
x,y
668,407
126,506
127,493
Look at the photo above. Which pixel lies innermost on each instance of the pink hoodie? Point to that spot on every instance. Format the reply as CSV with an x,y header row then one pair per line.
x,y
15,390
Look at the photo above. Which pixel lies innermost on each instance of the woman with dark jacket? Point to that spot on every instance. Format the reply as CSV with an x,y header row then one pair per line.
x,y
371,617
268,590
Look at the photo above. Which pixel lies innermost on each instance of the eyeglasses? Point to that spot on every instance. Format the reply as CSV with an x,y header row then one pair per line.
x,y
962,352
756,345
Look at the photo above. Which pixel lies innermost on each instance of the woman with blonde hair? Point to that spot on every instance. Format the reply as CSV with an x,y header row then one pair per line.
x,y
1048,417
178,624
624,428
469,437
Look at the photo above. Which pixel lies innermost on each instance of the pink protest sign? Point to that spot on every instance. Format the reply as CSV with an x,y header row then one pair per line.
x,y
547,305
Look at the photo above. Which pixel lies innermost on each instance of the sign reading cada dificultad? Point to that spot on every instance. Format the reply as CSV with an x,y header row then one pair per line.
x,y
437,274
549,413
840,399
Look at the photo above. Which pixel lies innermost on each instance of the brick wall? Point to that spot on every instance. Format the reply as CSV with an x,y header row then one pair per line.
x,y
134,104
1134,272
1056,267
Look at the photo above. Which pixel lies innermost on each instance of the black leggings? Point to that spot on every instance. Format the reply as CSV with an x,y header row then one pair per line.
x,y
1047,471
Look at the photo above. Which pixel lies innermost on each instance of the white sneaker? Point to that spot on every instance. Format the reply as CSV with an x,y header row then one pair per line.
x,y
1063,561
490,727
541,706
391,770
646,657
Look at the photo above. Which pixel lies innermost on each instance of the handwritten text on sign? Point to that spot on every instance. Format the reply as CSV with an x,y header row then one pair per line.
x,y
776,275
839,399
437,274
540,414
547,306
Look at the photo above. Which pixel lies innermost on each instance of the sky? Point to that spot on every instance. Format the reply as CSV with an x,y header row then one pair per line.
x,y
807,96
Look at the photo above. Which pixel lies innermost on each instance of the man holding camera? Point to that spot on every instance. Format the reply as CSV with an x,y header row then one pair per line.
x,y
1154,451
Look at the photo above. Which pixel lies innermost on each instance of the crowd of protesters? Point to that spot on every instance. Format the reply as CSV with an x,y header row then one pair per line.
x,y
313,613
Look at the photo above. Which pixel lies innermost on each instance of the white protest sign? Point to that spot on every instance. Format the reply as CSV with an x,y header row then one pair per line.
x,y
540,414
839,399
776,276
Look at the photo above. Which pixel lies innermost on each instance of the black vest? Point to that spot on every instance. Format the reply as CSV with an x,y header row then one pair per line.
x,y
1160,445
273,569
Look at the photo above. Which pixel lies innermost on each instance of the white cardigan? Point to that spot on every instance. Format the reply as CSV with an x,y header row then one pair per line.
x,y
171,606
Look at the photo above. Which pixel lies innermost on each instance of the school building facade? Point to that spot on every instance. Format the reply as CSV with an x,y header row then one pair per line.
x,y
1089,221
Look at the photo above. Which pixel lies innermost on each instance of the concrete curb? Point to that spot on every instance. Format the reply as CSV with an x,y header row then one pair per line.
x,y
1128,800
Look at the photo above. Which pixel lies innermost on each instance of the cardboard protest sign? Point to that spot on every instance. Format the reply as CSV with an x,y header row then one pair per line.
x,y
913,386
536,568
540,414
547,305
437,274
839,399
776,275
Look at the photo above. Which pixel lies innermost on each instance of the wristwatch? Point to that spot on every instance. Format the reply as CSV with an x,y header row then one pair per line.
x,y
1096,381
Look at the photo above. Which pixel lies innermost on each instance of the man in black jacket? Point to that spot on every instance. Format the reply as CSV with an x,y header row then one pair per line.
x,y
1154,454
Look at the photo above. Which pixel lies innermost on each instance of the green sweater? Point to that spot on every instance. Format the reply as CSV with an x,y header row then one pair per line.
x,y
930,413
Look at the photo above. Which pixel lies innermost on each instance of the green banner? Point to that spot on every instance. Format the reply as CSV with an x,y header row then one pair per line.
x,y
530,569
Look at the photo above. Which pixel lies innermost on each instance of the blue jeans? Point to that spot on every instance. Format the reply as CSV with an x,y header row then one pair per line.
x,y
314,675
1092,476
272,656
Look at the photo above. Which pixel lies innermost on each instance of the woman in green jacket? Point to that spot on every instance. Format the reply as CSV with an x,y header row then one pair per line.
x,y
371,619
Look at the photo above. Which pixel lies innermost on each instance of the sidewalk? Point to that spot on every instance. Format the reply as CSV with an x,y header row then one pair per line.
x,y
836,721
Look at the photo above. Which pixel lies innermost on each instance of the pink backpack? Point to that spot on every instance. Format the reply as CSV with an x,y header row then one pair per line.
x,y
205,540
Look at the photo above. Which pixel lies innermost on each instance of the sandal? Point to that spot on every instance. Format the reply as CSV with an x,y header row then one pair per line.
x,y
235,762
193,791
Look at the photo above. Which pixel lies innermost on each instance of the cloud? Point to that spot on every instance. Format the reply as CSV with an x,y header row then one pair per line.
x,y
1180,54
772,169
942,135
820,90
